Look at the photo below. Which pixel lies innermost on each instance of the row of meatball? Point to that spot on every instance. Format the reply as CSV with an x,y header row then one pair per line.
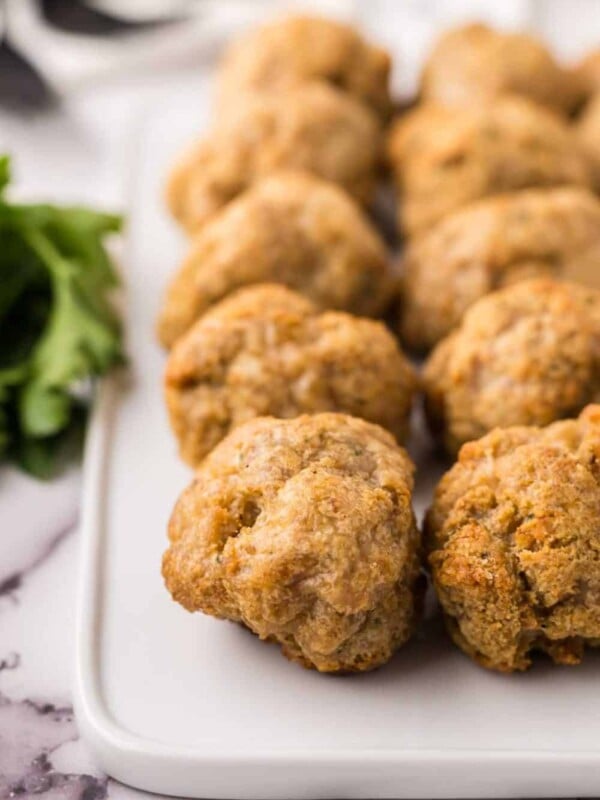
x,y
511,539
261,199
493,119
296,229
495,190
263,196
528,354
450,165
303,530
494,176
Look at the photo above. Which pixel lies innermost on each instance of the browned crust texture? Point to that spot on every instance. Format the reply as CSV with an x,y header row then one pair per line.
x,y
514,543
303,530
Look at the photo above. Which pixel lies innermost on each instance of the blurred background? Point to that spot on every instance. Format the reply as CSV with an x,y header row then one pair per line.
x,y
76,75
67,45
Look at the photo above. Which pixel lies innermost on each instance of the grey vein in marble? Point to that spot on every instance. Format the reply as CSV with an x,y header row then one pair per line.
x,y
29,734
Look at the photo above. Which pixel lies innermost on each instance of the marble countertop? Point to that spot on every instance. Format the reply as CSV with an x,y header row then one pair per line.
x,y
40,751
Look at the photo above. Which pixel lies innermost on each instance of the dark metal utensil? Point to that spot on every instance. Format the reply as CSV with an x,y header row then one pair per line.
x,y
79,17
22,87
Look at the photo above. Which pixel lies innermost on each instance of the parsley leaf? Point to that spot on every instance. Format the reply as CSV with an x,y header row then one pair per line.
x,y
58,327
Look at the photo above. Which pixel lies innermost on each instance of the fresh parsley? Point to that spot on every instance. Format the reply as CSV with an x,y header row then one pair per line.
x,y
58,327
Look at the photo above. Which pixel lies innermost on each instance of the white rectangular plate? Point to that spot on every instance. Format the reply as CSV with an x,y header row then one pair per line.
x,y
182,704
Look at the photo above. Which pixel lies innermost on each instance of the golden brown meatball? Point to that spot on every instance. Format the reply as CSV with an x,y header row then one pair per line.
x,y
514,544
473,64
492,243
268,351
528,354
290,228
588,133
294,49
303,530
446,158
311,127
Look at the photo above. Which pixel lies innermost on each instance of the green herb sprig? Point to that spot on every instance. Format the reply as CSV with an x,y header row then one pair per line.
x,y
58,327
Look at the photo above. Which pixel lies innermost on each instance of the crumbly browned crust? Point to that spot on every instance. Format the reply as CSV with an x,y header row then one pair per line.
x,y
588,133
492,243
298,48
445,158
269,351
303,530
311,127
514,543
528,354
291,228
474,63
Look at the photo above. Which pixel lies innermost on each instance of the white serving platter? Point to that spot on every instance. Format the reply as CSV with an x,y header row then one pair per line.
x,y
182,704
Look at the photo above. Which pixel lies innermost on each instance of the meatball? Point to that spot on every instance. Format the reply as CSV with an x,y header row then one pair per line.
x,y
514,543
473,64
268,351
294,49
588,132
491,243
311,127
289,228
303,530
446,158
528,354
